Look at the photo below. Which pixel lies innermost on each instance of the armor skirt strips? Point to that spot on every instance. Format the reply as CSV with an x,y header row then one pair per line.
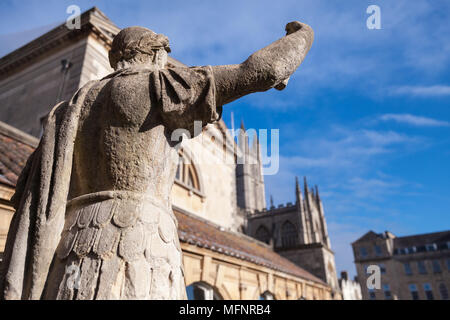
x,y
117,245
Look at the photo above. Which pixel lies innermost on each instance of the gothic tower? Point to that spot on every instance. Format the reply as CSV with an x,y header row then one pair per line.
x,y
249,176
299,233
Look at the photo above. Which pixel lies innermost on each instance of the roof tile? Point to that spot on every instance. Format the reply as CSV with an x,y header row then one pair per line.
x,y
193,230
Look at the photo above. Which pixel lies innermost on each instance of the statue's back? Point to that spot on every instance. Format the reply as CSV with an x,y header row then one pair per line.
x,y
122,143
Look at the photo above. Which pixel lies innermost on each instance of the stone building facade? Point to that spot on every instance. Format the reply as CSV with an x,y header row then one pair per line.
x,y
299,233
414,267
212,193
36,76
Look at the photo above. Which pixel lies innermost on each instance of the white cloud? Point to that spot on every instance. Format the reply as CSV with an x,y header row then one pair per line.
x,y
436,90
373,188
342,148
414,120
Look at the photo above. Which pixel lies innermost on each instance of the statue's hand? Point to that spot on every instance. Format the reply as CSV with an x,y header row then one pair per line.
x,y
293,26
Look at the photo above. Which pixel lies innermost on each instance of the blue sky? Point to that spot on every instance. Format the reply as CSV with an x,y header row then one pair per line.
x,y
366,117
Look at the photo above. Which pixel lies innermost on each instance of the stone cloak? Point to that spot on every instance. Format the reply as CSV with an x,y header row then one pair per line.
x,y
40,202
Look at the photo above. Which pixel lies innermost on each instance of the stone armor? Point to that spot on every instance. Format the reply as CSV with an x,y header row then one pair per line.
x,y
117,245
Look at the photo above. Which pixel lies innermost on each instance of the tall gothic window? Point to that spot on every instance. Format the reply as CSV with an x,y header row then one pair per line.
x,y
288,235
262,234
186,175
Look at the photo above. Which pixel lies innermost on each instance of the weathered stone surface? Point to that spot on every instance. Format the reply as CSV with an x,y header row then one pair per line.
x,y
109,150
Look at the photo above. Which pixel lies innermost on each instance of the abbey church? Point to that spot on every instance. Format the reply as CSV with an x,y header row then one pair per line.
x,y
234,246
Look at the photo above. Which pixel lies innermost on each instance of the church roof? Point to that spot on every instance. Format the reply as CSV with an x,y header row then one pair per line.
x,y
16,146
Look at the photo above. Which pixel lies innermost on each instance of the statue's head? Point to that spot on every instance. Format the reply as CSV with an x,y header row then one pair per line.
x,y
138,46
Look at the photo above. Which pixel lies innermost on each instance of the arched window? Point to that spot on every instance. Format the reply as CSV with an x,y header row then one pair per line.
x,y
262,234
202,291
443,291
266,296
186,175
288,235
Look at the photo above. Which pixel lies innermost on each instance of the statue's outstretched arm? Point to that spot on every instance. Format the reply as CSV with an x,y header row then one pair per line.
x,y
267,68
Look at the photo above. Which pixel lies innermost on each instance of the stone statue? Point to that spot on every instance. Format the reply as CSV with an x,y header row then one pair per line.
x,y
93,212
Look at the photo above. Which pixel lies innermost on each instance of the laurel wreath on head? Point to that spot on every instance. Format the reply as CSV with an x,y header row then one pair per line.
x,y
147,44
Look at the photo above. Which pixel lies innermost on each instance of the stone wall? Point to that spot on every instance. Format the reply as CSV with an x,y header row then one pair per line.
x,y
30,93
236,279
212,154
316,259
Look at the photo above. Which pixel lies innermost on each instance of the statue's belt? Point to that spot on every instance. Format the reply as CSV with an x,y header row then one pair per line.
x,y
123,207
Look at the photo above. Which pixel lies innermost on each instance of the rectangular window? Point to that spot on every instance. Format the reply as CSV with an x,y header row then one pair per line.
x,y
428,291
414,292
448,264
377,250
436,266
407,267
431,247
363,252
387,292
421,266
382,268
